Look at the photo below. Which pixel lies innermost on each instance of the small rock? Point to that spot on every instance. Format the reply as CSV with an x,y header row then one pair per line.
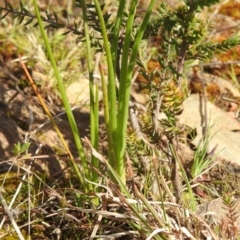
x,y
222,127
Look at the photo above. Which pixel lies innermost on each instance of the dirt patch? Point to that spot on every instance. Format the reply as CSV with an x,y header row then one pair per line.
x,y
21,114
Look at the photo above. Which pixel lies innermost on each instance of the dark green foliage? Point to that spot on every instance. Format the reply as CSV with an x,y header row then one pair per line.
x,y
207,50
197,5
184,34
182,37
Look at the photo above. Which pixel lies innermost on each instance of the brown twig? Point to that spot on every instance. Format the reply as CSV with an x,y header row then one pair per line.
x,y
205,121
46,110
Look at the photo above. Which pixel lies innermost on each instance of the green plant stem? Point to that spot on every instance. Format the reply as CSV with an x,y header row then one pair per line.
x,y
66,106
93,102
117,27
125,81
111,89
106,108
124,94
190,192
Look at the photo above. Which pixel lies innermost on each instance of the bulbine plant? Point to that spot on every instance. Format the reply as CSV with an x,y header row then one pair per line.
x,y
119,40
